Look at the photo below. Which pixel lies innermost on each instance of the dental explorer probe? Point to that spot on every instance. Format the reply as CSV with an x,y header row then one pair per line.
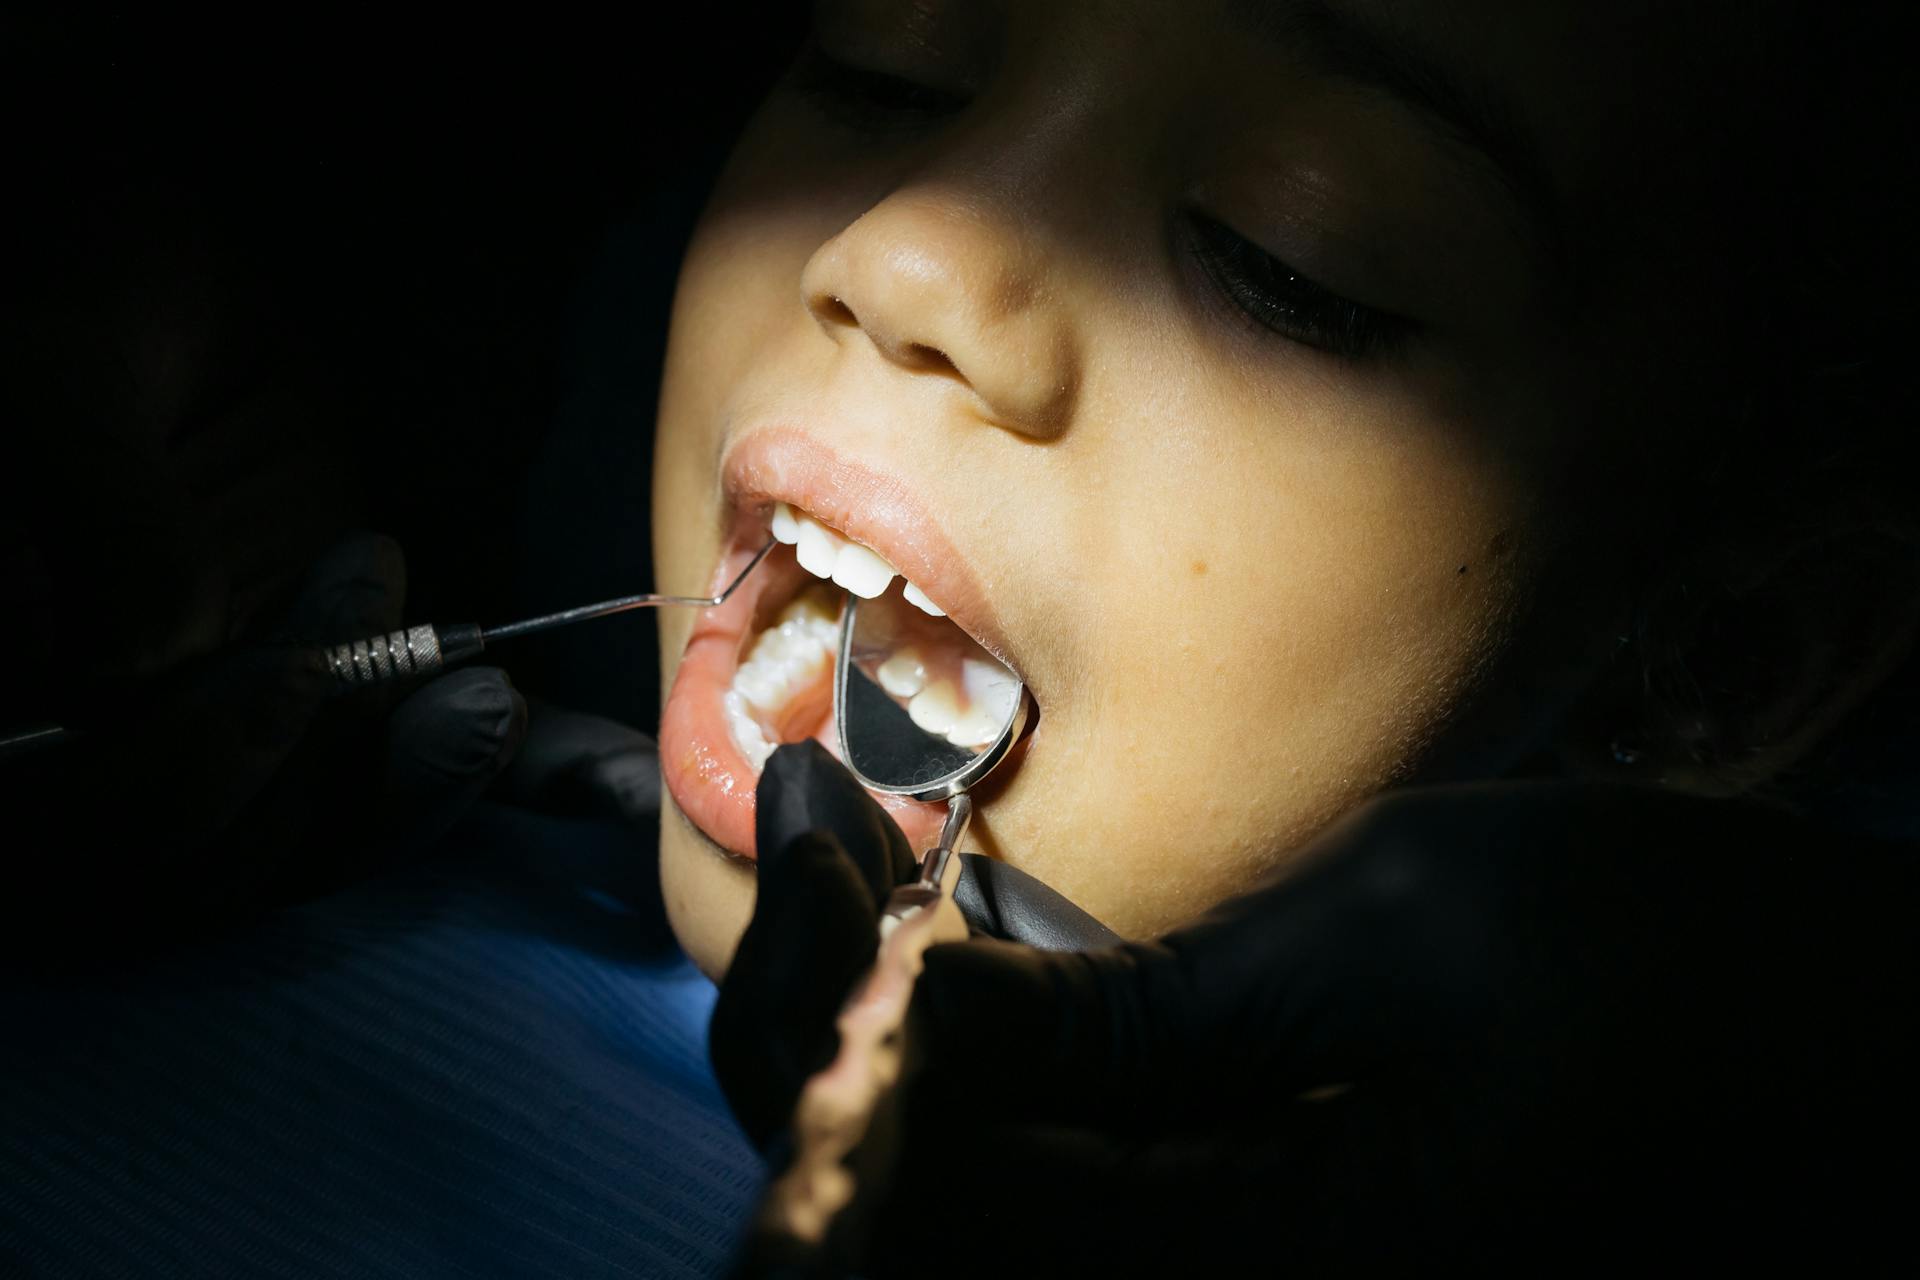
x,y
425,649
422,650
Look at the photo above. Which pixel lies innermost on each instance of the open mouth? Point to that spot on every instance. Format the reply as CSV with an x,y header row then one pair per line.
x,y
757,671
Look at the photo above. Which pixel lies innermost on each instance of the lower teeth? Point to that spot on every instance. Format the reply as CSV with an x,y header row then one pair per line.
x,y
961,696
786,659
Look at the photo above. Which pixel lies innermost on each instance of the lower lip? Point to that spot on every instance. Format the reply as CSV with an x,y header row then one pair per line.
x,y
709,779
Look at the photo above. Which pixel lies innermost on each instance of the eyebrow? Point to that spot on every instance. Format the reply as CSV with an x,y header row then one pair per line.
x,y
1466,111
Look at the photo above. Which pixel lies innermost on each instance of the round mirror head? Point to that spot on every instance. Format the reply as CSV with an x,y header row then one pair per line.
x,y
922,711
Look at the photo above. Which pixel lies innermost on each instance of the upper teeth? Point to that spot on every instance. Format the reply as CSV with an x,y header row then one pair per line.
x,y
825,554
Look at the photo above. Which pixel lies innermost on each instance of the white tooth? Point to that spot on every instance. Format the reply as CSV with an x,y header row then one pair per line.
x,y
978,728
862,572
935,708
800,668
817,548
785,527
747,736
990,686
918,598
903,674
811,605
761,688
791,636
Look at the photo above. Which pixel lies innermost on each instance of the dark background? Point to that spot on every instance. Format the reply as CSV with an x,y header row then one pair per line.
x,y
272,278
277,277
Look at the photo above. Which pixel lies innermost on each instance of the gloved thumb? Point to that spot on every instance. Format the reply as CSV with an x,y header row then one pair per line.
x,y
828,856
1002,901
357,588
445,743
1108,1038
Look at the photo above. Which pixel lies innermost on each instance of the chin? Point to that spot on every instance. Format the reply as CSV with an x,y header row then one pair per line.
x,y
709,896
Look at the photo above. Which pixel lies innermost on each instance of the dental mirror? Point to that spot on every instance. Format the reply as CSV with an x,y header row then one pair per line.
x,y
923,712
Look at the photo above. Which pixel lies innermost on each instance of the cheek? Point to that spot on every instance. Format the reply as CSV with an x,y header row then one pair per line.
x,y
1269,632
736,307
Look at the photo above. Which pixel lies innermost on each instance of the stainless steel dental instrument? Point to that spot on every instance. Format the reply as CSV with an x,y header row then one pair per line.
x,y
423,650
929,749
889,751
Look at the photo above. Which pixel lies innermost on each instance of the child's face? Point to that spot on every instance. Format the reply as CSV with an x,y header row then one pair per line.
x,y
989,327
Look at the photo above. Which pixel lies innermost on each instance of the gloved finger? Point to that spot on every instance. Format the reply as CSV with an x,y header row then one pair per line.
x,y
1000,901
1066,1037
445,742
1272,996
1393,941
814,932
356,589
576,763
828,857
804,789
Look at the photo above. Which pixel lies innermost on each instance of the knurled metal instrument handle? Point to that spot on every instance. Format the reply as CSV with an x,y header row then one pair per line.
x,y
416,651
426,649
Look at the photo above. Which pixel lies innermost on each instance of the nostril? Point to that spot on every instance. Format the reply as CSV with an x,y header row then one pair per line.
x,y
919,356
831,310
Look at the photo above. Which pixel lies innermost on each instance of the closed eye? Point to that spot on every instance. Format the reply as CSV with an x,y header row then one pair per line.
x,y
1278,298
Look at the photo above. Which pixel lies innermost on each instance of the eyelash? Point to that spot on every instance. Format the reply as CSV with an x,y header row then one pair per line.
x,y
1276,297
1266,290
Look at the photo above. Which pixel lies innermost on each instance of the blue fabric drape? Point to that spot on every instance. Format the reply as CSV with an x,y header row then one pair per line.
x,y
478,1067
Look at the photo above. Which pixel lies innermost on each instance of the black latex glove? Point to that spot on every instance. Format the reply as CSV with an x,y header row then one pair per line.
x,y
1540,1025
239,777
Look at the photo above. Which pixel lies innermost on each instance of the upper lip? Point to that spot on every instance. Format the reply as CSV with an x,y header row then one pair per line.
x,y
871,506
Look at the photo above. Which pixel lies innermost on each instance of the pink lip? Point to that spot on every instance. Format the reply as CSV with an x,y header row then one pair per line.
x,y
783,464
711,782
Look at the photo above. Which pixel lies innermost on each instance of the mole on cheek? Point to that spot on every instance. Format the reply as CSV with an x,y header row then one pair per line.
x,y
1199,568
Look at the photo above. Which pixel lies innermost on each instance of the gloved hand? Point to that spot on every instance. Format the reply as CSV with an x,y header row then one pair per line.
x,y
239,776
1538,1024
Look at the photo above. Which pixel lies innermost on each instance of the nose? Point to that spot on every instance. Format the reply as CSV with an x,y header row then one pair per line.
x,y
944,290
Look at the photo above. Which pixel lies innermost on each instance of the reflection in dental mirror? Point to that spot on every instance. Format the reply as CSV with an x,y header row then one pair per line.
x,y
922,710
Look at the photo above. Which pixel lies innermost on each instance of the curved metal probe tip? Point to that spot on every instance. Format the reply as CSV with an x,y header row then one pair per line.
x,y
426,649
624,603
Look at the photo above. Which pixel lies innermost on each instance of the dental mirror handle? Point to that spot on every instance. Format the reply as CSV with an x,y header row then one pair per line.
x,y
426,649
933,863
929,888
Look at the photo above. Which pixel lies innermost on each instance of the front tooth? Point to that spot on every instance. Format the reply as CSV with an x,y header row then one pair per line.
x,y
918,598
935,708
817,548
861,572
785,527
903,674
